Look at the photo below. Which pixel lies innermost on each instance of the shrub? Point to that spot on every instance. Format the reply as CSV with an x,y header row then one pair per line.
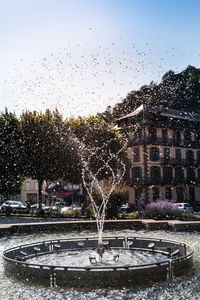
x,y
69,213
149,213
53,213
159,208
195,217
184,216
89,213
76,212
133,215
66,213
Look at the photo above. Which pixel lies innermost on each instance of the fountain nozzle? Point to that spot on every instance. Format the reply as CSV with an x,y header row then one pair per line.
x,y
100,250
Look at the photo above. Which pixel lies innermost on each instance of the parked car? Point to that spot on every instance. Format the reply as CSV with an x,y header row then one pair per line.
x,y
36,206
59,204
15,206
127,208
184,207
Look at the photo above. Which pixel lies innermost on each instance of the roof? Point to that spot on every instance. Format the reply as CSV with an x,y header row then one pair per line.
x,y
163,111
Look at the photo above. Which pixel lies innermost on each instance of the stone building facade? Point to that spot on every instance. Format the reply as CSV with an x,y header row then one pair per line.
x,y
29,191
163,159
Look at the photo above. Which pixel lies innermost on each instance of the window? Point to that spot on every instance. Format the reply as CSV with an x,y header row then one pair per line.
x,y
152,134
164,135
178,155
167,174
179,175
155,193
189,156
176,137
138,194
138,134
191,174
187,136
168,193
154,154
136,154
167,153
36,186
27,186
198,157
191,194
136,174
180,194
155,173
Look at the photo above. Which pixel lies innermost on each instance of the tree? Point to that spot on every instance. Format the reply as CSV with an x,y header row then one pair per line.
x,y
99,137
46,153
118,197
179,91
11,168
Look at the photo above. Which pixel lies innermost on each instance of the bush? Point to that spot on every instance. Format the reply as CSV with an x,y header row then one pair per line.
x,y
184,217
38,212
195,217
158,209
69,213
53,213
117,198
66,213
76,212
133,215
149,213
89,213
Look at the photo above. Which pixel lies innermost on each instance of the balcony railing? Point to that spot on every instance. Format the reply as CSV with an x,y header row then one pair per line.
x,y
164,181
180,162
164,142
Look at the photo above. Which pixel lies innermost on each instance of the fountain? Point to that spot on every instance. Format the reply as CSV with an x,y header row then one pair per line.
x,y
125,261
99,262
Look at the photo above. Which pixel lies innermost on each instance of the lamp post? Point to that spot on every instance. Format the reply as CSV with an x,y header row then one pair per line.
x,y
72,196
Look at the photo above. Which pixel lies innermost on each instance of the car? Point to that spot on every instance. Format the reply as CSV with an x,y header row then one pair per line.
x,y
184,207
36,206
127,208
16,206
59,204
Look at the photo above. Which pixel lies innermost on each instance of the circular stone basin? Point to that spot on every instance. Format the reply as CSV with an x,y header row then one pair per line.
x,y
126,261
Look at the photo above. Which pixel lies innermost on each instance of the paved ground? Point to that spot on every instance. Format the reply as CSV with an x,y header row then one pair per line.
x,y
12,225
17,220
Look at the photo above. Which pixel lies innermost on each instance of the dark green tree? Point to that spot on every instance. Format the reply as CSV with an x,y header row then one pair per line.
x,y
179,91
11,167
97,140
46,147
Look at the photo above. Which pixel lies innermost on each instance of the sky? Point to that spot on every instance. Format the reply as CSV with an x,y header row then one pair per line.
x,y
80,56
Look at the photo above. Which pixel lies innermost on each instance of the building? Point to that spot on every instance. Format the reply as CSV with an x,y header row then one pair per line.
x,y
163,154
29,191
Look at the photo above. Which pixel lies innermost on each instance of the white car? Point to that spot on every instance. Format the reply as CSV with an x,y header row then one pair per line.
x,y
16,206
184,207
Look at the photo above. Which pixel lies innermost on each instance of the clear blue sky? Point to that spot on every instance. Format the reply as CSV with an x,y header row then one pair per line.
x,y
83,55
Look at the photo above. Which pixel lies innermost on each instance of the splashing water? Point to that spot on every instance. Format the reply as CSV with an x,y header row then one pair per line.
x,y
93,183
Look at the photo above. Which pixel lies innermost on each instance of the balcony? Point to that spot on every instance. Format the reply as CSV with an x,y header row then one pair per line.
x,y
164,142
179,162
164,181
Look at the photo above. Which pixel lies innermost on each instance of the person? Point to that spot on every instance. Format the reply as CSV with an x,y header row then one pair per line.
x,y
28,206
140,206
8,210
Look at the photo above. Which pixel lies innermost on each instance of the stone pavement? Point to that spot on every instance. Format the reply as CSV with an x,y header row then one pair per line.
x,y
23,225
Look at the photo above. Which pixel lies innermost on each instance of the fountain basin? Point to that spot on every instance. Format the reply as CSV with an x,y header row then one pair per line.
x,y
176,261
